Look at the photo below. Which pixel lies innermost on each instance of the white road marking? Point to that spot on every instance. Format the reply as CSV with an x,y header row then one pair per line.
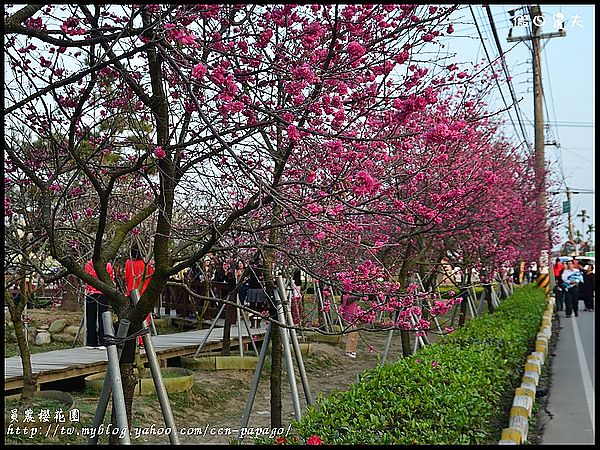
x,y
585,374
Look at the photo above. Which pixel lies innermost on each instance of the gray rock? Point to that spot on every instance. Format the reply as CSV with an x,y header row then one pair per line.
x,y
57,326
62,337
32,334
72,330
43,338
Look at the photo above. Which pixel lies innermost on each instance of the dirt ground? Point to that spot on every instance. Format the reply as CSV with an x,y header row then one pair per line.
x,y
218,398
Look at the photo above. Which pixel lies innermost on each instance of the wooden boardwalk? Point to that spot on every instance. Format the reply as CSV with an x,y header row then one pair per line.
x,y
81,361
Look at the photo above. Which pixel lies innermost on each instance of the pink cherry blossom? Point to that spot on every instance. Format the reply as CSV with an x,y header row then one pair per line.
x,y
314,440
198,71
356,50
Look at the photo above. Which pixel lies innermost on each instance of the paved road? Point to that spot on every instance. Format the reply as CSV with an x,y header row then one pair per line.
x,y
569,418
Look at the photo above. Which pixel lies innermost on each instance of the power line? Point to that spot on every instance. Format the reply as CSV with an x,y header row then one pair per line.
x,y
572,124
557,145
503,27
572,192
506,72
487,55
577,155
496,79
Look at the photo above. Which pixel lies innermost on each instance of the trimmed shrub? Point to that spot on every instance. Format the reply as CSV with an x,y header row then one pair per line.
x,y
452,392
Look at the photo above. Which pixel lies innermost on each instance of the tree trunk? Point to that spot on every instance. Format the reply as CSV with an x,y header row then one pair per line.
x,y
465,294
405,339
129,381
503,290
462,316
230,318
16,311
488,296
205,304
276,340
29,379
276,374
70,294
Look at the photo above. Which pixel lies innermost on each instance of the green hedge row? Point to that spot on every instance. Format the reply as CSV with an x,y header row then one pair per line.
x,y
454,392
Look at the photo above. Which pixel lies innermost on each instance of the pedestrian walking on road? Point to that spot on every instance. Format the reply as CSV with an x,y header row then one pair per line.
x,y
589,288
571,280
559,292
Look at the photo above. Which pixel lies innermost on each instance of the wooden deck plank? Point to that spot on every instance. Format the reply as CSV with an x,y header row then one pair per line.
x,y
72,362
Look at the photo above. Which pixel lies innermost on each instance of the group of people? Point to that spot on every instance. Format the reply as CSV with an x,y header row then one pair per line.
x,y
252,291
138,273
214,269
573,283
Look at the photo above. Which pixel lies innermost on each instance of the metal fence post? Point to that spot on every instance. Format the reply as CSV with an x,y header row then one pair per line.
x,y
255,380
288,356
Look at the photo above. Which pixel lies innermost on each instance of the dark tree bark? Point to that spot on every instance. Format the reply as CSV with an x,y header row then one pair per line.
x,y
465,294
276,340
488,297
230,318
405,339
16,311
462,316
70,294
276,375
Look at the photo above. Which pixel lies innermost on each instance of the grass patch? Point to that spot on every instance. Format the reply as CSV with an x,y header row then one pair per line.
x,y
454,392
36,403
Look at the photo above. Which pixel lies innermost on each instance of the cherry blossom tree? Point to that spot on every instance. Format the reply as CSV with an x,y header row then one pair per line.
x,y
334,137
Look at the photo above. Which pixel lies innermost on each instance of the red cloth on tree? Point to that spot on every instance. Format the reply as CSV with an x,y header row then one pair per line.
x,y
89,268
134,275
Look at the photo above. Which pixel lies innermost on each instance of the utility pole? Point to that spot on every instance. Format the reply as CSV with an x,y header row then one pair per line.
x,y
571,226
536,36
538,112
537,20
